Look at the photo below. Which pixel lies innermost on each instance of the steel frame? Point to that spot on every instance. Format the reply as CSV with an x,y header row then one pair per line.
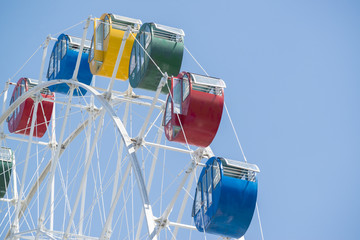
x,y
154,225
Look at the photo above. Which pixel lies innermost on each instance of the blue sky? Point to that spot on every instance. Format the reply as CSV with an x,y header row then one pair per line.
x,y
293,81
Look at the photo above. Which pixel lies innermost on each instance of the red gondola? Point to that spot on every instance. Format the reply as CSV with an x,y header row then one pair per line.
x,y
195,104
20,120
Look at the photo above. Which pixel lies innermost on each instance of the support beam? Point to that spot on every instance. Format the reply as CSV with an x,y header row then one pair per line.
x,y
151,175
53,149
54,163
164,219
108,224
15,225
46,44
6,89
147,119
180,225
77,66
134,161
84,178
46,170
88,158
197,156
106,232
127,141
167,147
117,63
183,204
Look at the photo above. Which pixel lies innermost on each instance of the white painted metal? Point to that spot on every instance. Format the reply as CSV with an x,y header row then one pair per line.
x,y
108,99
179,225
118,164
65,103
135,164
15,226
135,100
167,147
87,162
117,63
108,224
154,226
118,123
83,180
55,158
139,139
19,139
46,170
128,144
26,95
81,49
147,119
54,162
183,204
200,153
87,156
46,43
52,196
52,144
106,233
16,195
150,219
108,94
164,219
119,98
6,89
151,175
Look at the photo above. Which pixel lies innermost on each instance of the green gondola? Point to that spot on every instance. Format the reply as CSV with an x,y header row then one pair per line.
x,y
165,46
6,162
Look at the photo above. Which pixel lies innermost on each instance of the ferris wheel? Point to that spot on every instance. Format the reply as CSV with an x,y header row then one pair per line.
x,y
86,154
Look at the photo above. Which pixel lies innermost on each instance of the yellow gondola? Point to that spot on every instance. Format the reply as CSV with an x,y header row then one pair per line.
x,y
109,31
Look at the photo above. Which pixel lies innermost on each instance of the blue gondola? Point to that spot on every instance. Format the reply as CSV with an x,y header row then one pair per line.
x,y
63,60
225,197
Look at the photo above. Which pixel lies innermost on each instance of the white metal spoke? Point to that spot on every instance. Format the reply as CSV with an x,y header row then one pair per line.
x,y
6,89
54,163
16,219
147,119
151,175
119,161
46,43
108,202
45,171
106,233
145,143
133,157
83,180
77,66
117,63
87,159
183,204
164,218
53,144
108,224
